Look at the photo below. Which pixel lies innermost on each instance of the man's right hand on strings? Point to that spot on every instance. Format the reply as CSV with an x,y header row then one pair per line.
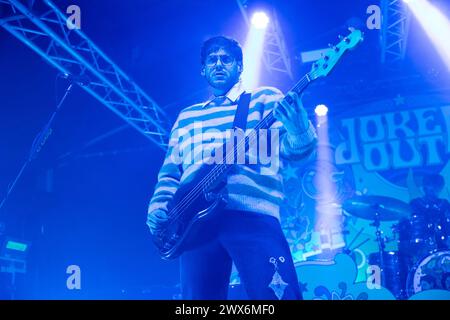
x,y
156,220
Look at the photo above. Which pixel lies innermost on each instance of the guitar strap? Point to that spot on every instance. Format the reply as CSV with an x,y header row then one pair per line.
x,y
240,118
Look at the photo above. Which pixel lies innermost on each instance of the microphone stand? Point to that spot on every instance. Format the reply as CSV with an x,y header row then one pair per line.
x,y
38,143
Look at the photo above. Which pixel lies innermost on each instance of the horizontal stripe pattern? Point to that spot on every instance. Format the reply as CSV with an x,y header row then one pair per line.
x,y
250,187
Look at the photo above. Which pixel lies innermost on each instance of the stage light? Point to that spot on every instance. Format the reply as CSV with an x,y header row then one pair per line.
x,y
13,254
260,20
321,110
12,248
435,24
16,246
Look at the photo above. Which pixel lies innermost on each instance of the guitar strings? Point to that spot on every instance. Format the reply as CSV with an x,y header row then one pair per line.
x,y
216,171
193,194
175,212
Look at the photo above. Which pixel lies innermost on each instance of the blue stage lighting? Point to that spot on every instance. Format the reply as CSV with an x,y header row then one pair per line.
x,y
435,24
321,110
260,20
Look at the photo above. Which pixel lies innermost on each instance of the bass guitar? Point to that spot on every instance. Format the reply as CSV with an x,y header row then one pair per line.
x,y
192,211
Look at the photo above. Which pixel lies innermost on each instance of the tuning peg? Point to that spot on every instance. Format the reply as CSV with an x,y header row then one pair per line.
x,y
330,45
340,37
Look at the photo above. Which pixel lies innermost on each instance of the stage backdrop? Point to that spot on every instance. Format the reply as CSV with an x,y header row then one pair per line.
x,y
383,148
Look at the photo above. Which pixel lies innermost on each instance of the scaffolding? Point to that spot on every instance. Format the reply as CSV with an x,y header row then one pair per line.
x,y
72,53
275,55
394,31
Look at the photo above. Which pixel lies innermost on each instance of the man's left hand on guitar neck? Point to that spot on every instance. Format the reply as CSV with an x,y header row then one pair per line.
x,y
293,115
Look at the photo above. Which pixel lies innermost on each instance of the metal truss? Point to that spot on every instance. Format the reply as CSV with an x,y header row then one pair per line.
x,y
71,52
275,54
394,30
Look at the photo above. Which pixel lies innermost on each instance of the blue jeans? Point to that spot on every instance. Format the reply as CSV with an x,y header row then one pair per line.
x,y
258,247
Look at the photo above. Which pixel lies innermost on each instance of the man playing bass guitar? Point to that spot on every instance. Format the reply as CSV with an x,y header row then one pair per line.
x,y
248,230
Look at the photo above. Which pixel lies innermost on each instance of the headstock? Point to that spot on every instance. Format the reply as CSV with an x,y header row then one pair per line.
x,y
323,66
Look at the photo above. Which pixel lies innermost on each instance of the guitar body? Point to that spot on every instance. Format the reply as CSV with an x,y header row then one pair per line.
x,y
192,220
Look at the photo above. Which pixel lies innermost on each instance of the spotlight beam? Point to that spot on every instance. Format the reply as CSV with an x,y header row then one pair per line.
x,y
435,24
253,51
328,215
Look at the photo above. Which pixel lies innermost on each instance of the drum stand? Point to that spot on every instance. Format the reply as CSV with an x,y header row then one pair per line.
x,y
380,241
376,209
386,272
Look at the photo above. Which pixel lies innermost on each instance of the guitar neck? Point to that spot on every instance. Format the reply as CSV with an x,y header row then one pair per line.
x,y
299,87
265,123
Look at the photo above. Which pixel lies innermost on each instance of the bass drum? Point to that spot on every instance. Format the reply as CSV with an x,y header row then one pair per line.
x,y
432,272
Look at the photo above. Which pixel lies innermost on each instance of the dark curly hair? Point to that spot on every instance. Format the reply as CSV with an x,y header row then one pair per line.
x,y
221,42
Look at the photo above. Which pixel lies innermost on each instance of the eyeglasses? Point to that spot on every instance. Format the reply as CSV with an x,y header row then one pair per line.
x,y
212,60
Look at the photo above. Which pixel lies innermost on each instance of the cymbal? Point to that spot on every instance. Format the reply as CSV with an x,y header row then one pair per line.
x,y
377,207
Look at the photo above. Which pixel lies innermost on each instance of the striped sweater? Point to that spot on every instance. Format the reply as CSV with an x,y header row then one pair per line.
x,y
253,187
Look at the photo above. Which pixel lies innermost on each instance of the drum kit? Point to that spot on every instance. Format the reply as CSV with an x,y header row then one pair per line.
x,y
422,261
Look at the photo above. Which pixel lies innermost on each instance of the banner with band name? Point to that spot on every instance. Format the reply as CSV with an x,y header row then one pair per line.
x,y
383,148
